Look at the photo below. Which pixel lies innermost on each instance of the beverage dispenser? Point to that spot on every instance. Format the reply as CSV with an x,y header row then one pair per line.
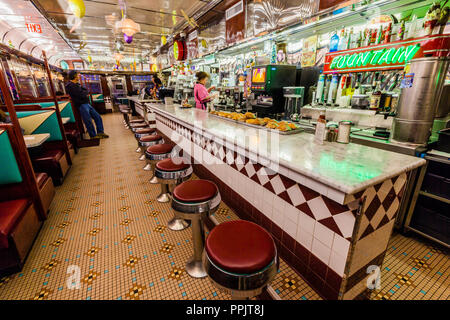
x,y
267,85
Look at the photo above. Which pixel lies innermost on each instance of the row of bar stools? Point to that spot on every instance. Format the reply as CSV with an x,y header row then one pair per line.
x,y
194,200
156,153
240,257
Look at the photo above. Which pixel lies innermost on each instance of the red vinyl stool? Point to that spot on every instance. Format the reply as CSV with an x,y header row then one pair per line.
x,y
148,141
140,133
170,173
240,257
138,126
194,200
154,154
144,132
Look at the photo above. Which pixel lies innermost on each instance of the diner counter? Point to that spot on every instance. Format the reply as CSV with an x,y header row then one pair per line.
x,y
347,168
330,208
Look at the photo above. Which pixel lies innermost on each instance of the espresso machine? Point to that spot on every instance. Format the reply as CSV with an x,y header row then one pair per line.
x,y
267,86
226,100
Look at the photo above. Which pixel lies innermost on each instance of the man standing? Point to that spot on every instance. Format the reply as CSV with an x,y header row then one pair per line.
x,y
80,98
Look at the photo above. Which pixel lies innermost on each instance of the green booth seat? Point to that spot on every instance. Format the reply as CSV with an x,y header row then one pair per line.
x,y
46,121
65,108
9,172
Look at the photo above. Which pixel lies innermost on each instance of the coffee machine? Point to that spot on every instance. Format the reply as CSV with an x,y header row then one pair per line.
x,y
267,86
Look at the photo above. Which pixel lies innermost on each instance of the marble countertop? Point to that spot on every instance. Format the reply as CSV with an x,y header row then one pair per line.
x,y
35,140
348,168
136,99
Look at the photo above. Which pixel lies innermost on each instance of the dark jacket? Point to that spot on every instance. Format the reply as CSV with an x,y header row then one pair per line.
x,y
79,94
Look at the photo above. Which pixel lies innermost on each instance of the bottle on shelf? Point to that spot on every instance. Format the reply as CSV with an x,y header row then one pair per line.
x,y
341,90
380,34
387,33
375,98
366,37
333,90
357,85
359,39
401,31
334,42
326,91
343,40
320,89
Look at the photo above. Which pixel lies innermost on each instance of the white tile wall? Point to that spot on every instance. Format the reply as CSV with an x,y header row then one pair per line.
x,y
337,263
292,213
319,208
340,245
306,222
324,234
290,227
345,222
304,238
321,251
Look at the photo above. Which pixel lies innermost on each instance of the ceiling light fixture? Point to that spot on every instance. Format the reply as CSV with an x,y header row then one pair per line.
x,y
128,26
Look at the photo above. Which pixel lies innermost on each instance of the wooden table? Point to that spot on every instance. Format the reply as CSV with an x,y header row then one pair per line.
x,y
35,140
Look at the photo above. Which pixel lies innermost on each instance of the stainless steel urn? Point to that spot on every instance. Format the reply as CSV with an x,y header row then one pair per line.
x,y
419,100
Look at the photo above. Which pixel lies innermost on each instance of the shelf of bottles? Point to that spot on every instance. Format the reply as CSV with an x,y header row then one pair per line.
x,y
365,69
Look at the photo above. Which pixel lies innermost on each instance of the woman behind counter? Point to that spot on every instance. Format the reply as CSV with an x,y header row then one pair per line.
x,y
201,94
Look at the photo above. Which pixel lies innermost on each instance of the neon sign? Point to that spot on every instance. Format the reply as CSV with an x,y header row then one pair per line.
x,y
389,56
380,57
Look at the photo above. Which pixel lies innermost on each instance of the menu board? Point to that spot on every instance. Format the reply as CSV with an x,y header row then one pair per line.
x,y
309,52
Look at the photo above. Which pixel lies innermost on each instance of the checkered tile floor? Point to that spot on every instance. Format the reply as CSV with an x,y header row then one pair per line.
x,y
106,227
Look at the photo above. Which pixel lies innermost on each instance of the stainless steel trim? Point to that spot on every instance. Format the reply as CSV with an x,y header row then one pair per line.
x,y
173,175
186,210
241,285
156,157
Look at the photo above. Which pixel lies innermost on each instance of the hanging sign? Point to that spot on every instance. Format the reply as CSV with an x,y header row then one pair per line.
x,y
33,27
308,58
388,56
235,22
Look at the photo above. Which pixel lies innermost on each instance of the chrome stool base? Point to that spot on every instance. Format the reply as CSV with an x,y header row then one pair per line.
x,y
178,224
154,180
142,157
148,167
196,213
195,268
163,198
138,150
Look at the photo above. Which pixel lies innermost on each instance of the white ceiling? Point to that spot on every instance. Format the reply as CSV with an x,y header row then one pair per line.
x,y
14,14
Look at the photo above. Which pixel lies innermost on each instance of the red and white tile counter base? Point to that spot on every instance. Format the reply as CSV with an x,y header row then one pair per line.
x,y
331,245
